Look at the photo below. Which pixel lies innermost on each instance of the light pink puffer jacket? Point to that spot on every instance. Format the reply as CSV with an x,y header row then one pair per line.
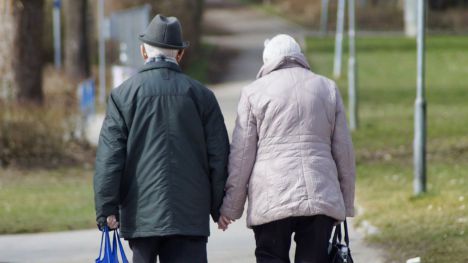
x,y
291,150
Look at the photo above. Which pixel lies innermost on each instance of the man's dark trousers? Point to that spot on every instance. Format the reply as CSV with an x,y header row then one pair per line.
x,y
169,249
312,234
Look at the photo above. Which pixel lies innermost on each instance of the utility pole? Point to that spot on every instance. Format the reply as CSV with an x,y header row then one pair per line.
x,y
324,18
352,68
102,54
57,34
339,39
420,106
411,17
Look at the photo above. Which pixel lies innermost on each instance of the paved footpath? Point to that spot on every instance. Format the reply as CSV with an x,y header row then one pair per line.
x,y
248,29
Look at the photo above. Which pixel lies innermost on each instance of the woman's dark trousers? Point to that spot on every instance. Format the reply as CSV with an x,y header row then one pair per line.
x,y
311,234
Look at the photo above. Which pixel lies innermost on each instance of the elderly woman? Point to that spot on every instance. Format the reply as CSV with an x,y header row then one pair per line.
x,y
292,155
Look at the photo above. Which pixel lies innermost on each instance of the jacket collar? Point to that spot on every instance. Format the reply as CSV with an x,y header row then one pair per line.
x,y
160,64
291,61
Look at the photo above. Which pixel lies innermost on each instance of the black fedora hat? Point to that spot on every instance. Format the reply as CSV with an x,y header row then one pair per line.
x,y
164,32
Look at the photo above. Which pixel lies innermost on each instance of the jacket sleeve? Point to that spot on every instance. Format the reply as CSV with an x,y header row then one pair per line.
x,y
217,142
343,154
110,162
241,160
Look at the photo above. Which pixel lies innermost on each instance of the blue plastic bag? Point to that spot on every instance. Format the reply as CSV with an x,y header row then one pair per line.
x,y
110,252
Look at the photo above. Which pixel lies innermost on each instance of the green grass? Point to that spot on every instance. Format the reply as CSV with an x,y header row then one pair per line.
x,y
44,200
435,225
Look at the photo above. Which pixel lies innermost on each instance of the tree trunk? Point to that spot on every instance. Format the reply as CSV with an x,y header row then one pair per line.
x,y
27,50
77,65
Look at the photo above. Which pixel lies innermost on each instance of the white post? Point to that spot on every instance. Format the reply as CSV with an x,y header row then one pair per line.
x,y
414,260
339,39
420,106
352,69
324,18
411,17
102,54
57,34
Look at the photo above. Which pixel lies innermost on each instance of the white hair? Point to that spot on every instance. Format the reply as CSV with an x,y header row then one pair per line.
x,y
153,51
280,46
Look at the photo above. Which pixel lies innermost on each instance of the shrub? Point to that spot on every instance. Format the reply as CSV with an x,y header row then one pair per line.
x,y
33,135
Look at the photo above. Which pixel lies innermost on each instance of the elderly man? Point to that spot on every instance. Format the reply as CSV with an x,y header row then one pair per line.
x,y
162,154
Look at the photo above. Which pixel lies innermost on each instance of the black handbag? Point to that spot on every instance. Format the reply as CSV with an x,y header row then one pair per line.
x,y
339,252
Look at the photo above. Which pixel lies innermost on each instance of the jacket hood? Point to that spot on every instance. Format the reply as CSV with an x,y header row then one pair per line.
x,y
291,61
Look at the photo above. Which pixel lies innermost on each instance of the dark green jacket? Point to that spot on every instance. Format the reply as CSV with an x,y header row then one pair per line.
x,y
162,155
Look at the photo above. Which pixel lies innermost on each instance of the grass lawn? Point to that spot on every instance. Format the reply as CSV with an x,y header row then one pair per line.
x,y
435,225
44,200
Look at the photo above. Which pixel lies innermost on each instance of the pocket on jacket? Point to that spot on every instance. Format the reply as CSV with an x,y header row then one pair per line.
x,y
285,182
322,181
257,194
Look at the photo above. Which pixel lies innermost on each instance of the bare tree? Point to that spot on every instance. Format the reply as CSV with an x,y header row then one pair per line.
x,y
77,62
27,50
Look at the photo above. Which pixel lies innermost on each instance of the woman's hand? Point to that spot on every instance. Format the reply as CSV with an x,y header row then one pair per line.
x,y
224,222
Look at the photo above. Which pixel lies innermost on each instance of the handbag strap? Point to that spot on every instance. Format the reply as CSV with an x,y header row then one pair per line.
x,y
337,234
100,247
108,249
346,234
122,252
107,245
337,237
346,237
114,249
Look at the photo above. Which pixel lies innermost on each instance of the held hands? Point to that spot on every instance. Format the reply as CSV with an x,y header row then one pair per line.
x,y
224,222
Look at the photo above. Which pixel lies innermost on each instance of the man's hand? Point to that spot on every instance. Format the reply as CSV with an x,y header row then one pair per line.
x,y
224,222
112,222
